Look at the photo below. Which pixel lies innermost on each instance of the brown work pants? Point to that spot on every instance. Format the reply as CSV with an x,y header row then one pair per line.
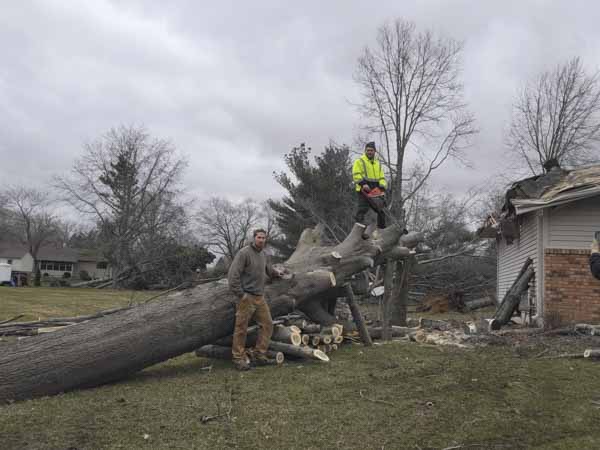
x,y
251,306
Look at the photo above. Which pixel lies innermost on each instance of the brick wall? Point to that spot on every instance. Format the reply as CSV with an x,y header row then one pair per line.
x,y
570,291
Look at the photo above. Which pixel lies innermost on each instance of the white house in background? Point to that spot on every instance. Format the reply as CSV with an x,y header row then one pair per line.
x,y
54,262
551,219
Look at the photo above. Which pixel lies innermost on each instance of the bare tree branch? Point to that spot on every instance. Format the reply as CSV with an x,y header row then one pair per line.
x,y
557,117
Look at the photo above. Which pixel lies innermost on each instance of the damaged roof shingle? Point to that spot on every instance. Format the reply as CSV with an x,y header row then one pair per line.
x,y
553,188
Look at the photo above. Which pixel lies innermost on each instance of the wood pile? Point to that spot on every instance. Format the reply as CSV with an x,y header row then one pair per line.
x,y
293,337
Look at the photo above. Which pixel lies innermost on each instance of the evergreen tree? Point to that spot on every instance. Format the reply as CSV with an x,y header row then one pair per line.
x,y
316,193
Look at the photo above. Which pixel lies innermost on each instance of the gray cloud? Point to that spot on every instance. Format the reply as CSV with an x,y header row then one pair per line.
x,y
235,85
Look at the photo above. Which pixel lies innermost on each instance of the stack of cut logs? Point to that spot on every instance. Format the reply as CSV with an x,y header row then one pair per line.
x,y
293,338
296,338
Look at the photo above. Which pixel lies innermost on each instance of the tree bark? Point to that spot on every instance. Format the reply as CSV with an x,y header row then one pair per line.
x,y
483,302
113,347
358,318
388,283
512,299
399,302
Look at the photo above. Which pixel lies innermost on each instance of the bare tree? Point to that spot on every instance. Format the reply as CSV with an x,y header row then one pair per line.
x,y
226,226
556,117
29,220
120,180
413,98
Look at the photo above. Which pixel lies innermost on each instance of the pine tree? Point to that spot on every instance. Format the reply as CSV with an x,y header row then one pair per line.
x,y
316,193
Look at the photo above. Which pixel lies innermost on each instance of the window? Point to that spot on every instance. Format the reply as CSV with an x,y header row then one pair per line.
x,y
102,265
56,266
9,261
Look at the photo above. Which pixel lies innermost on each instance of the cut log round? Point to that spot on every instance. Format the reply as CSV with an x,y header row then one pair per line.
x,y
295,329
592,353
326,339
315,340
333,330
113,347
305,339
286,334
299,352
338,339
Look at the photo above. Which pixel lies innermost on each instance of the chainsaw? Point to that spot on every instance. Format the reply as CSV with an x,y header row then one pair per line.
x,y
376,198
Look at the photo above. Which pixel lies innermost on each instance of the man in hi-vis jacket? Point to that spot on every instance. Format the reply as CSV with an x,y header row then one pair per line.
x,y
367,175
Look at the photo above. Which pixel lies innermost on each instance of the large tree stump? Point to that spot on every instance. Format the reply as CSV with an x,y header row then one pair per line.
x,y
110,348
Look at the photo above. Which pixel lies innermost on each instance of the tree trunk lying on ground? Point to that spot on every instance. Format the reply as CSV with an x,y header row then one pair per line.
x,y
110,348
483,302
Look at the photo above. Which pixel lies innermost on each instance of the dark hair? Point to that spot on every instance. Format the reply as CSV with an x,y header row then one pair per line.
x,y
259,230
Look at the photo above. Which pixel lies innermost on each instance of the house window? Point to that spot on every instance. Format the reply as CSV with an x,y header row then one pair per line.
x,y
56,266
101,265
9,261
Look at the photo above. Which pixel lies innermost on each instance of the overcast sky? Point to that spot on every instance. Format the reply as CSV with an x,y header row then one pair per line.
x,y
236,84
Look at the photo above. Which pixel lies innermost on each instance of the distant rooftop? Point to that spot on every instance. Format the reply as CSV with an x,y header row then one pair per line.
x,y
50,253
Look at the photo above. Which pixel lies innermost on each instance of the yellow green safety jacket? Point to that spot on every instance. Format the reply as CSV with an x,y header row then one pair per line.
x,y
367,171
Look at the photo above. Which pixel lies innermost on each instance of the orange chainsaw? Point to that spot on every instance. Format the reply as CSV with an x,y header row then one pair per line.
x,y
376,198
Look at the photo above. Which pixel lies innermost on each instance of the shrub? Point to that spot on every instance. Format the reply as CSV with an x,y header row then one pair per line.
x,y
84,275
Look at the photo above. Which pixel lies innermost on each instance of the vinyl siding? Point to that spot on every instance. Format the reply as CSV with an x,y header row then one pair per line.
x,y
512,257
572,226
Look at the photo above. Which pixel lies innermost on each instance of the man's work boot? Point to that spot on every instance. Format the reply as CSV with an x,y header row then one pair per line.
x,y
260,359
241,364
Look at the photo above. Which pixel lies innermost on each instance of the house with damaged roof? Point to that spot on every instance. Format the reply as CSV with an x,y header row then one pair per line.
x,y
551,218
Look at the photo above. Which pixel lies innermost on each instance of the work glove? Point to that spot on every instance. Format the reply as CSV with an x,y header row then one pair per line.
x,y
366,189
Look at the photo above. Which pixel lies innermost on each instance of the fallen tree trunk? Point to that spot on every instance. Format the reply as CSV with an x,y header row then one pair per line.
x,y
512,297
110,348
483,302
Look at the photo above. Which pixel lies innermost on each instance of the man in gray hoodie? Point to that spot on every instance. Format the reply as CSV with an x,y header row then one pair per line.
x,y
247,276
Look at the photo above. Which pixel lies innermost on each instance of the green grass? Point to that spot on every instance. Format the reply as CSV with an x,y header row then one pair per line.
x,y
413,397
43,303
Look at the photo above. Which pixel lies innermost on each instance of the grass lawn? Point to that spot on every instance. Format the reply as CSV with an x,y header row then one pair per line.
x,y
394,396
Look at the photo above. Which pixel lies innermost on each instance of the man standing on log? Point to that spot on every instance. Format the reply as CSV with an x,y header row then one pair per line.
x,y
368,176
247,276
